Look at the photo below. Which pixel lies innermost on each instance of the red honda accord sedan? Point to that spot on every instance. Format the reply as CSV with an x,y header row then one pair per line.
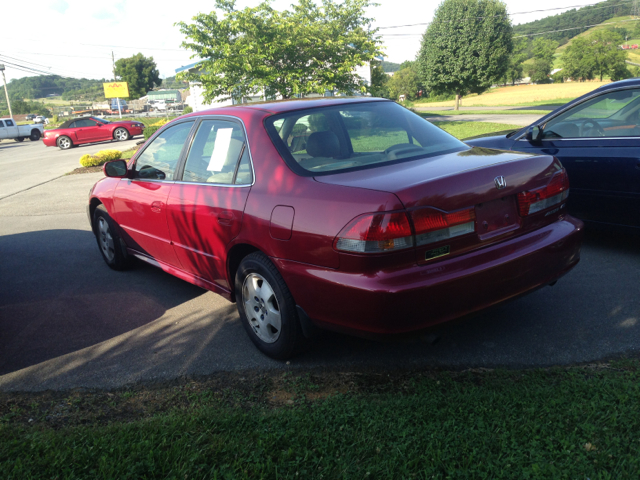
x,y
90,130
350,214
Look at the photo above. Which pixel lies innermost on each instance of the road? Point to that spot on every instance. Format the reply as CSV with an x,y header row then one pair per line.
x,y
67,321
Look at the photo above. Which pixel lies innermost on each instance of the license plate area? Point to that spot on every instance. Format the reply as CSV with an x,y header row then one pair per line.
x,y
497,217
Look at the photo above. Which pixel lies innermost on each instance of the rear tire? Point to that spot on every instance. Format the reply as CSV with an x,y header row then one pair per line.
x,y
267,309
19,139
111,246
35,135
64,143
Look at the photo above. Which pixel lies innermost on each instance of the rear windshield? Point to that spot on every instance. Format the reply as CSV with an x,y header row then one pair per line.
x,y
355,136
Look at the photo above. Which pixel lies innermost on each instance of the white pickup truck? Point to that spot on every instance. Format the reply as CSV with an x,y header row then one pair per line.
x,y
9,129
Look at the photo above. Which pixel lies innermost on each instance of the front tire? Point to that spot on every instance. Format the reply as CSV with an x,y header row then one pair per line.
x,y
64,143
109,242
121,134
267,309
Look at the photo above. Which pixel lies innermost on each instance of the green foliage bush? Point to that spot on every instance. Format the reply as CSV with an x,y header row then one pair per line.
x,y
187,110
100,158
149,131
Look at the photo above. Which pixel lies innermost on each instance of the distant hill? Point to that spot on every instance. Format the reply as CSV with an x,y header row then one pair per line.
x,y
570,19
48,85
390,66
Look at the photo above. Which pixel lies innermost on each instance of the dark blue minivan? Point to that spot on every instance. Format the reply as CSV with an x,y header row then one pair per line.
x,y
597,139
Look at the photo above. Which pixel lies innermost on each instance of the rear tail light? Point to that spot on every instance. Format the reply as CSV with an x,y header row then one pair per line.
x,y
375,233
434,226
540,199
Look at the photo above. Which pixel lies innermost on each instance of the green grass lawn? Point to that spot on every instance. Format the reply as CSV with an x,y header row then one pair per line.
x,y
483,112
469,129
573,423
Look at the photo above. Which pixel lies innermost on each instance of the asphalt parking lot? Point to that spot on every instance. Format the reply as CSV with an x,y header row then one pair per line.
x,y
67,320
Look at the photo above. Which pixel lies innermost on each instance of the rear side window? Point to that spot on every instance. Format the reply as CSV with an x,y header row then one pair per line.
x,y
9,123
355,136
218,155
159,159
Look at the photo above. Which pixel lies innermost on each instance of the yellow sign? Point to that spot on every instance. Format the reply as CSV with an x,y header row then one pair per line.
x,y
116,90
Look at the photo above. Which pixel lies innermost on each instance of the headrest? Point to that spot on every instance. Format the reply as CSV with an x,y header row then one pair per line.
x,y
323,144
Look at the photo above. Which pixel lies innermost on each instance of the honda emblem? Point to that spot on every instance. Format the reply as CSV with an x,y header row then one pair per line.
x,y
500,182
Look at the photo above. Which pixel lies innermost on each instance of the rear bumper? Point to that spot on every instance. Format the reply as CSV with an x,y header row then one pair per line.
x,y
414,298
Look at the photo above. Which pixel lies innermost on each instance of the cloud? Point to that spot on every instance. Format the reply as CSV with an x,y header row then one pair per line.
x,y
59,6
103,15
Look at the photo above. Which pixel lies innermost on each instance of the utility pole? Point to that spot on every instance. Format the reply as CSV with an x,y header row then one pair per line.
x,y
113,61
5,89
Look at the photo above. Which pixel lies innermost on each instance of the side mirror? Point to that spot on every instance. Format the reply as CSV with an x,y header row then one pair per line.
x,y
533,134
115,169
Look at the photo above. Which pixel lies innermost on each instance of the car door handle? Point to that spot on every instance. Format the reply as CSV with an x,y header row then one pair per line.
x,y
225,217
156,207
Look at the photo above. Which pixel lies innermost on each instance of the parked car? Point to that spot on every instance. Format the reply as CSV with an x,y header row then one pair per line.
x,y
597,139
9,129
30,117
41,119
350,214
89,130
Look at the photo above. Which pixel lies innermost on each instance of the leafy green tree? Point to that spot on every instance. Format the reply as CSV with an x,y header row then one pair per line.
x,y
543,52
404,82
309,48
379,80
597,54
577,62
608,57
466,47
140,73
515,68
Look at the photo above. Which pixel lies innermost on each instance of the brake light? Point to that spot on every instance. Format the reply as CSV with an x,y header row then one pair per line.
x,y
433,225
375,233
540,199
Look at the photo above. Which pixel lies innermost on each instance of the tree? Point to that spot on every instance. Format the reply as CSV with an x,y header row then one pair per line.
x,y
379,80
598,54
518,55
404,82
466,47
307,49
608,57
543,52
140,73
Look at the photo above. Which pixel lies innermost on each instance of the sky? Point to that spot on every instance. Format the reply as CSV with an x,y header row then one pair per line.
x,y
76,38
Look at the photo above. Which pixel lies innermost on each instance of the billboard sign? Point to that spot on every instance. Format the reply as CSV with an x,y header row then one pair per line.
x,y
116,89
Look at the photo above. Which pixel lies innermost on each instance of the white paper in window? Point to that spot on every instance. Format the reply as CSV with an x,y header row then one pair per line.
x,y
220,150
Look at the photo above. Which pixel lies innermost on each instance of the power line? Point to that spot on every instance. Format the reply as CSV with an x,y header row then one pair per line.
x,y
574,28
511,14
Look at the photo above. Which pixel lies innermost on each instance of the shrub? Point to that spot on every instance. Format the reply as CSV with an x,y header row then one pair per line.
x,y
160,122
99,158
187,110
150,131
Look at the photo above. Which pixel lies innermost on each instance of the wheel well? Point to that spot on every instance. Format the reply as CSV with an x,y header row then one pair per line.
x,y
92,208
234,257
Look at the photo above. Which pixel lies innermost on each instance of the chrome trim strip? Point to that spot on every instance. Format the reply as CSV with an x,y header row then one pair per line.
x,y
586,138
183,182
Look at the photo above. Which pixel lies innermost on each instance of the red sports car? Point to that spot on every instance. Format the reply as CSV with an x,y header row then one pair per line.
x,y
351,214
89,130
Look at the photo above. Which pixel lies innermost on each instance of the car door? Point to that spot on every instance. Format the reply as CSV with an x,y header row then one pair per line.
x,y
205,208
598,142
11,130
87,130
140,203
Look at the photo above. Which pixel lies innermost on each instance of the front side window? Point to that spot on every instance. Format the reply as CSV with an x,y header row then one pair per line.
x,y
219,155
1,124
354,136
614,114
159,160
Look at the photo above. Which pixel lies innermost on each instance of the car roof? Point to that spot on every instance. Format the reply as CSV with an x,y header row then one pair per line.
x,y
281,106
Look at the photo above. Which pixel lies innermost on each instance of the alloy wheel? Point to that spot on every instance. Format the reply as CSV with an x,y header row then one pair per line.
x,y
106,240
261,308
